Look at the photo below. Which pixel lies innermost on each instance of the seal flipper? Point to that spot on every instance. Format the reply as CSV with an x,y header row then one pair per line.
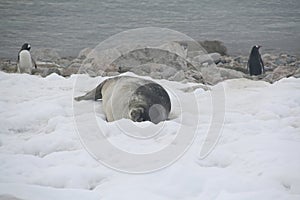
x,y
95,94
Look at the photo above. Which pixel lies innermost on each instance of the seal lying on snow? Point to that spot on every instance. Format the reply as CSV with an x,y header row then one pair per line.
x,y
132,98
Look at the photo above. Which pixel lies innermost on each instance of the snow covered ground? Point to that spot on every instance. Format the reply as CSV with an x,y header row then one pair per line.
x,y
257,156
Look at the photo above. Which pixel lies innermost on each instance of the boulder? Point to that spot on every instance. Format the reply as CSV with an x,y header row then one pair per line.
x,y
230,74
207,58
140,57
281,72
176,48
214,46
213,75
216,57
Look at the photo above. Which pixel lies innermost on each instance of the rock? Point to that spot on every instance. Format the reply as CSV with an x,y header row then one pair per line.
x,y
112,73
83,54
193,46
207,58
159,71
71,69
281,72
230,74
238,59
216,57
193,54
37,71
64,62
194,76
241,60
206,64
226,59
155,75
46,55
291,59
139,57
179,76
168,72
49,71
297,73
176,48
75,65
267,57
213,75
99,61
280,61
269,65
8,66
214,46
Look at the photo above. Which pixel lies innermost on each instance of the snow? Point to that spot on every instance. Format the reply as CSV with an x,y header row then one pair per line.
x,y
42,156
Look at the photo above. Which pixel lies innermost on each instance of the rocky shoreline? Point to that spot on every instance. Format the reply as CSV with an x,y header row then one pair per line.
x,y
175,61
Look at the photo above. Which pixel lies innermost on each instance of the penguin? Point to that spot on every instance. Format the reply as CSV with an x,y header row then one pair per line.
x,y
255,63
25,62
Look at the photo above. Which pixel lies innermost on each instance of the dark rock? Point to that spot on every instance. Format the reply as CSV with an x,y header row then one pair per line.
x,y
291,59
280,61
214,46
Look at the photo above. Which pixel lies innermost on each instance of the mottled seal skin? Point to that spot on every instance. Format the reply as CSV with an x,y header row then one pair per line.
x,y
255,63
132,98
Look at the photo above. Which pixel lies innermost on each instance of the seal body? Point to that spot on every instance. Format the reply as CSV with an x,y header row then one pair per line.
x,y
132,98
25,61
255,63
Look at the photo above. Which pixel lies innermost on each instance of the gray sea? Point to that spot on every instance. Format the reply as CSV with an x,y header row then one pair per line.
x,y
69,26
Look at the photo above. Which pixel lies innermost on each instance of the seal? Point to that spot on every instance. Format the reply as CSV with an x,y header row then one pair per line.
x,y
132,98
255,64
25,61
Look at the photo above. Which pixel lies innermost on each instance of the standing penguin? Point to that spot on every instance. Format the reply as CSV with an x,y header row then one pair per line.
x,y
255,64
25,61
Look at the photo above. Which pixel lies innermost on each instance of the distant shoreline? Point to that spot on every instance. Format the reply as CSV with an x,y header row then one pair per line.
x,y
176,61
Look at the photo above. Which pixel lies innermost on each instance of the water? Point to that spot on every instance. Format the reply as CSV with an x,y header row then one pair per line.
x,y
69,26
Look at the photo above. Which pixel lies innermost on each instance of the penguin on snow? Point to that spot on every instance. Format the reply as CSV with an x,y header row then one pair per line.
x,y
255,63
25,61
